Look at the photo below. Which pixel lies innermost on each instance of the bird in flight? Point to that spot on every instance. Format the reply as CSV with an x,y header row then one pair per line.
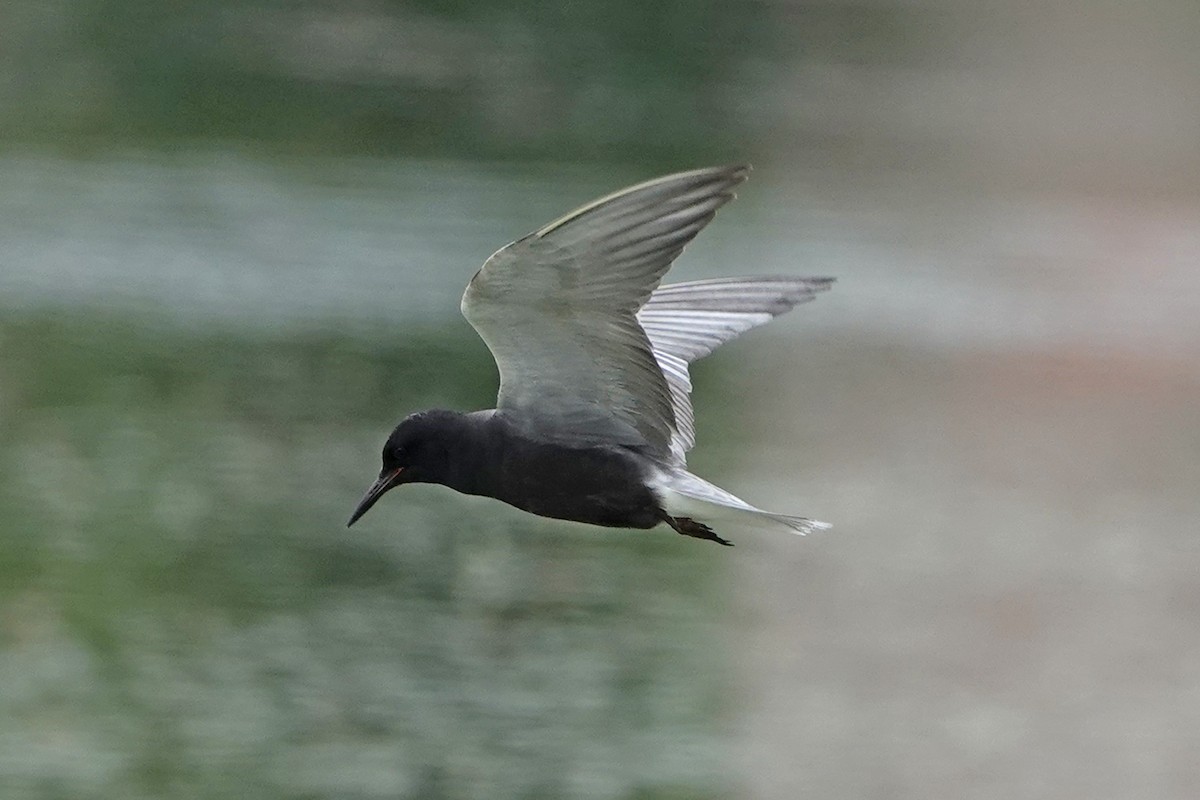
x,y
593,419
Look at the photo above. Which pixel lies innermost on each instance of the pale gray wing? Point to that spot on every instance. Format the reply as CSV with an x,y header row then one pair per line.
x,y
557,309
687,321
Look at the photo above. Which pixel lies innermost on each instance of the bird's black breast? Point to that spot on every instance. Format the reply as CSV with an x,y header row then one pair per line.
x,y
600,485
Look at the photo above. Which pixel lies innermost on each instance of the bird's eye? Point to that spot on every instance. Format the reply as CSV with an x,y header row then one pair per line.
x,y
392,456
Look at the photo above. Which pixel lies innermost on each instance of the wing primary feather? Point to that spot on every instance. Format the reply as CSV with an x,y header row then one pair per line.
x,y
687,321
653,191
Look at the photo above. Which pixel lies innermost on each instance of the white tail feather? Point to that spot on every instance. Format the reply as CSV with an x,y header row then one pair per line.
x,y
687,495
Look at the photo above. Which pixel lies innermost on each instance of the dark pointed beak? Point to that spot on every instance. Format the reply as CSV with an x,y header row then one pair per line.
x,y
386,481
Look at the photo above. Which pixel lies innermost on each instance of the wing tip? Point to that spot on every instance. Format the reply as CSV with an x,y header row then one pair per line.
x,y
720,180
802,526
735,174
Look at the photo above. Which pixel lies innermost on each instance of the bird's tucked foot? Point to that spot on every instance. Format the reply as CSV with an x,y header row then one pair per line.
x,y
690,527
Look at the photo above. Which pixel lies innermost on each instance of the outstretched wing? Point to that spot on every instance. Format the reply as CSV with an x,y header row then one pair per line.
x,y
558,311
687,321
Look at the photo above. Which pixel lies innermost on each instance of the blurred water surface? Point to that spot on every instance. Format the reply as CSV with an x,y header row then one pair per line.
x,y
201,355
185,614
267,243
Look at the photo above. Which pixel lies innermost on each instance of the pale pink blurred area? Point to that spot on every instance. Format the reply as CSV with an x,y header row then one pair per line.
x,y
1008,604
1008,445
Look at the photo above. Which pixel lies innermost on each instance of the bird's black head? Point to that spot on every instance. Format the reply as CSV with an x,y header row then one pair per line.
x,y
418,451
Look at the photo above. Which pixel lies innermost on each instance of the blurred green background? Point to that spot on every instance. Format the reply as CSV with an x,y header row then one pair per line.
x,y
232,241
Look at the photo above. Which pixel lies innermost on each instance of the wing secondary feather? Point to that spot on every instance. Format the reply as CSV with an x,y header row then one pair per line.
x,y
687,321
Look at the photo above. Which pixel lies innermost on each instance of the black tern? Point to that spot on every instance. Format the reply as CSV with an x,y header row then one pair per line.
x,y
593,419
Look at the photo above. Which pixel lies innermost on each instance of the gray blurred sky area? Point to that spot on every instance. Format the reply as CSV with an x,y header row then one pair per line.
x,y
1096,95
